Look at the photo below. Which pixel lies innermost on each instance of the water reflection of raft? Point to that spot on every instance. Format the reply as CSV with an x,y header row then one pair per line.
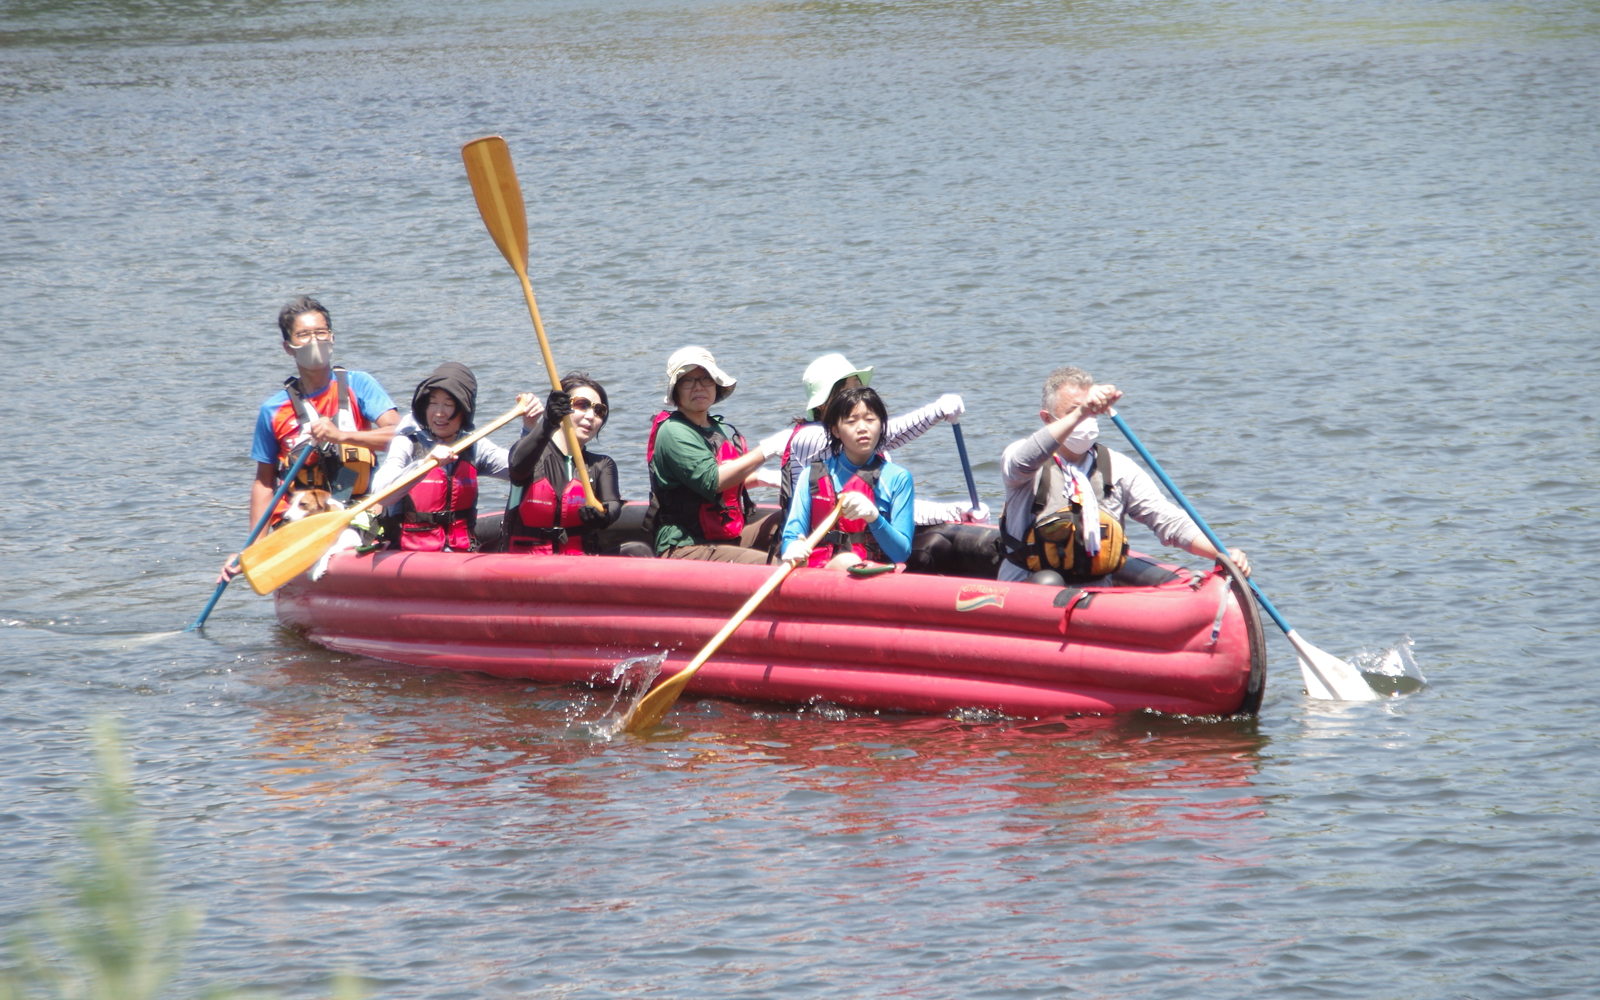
x,y
900,642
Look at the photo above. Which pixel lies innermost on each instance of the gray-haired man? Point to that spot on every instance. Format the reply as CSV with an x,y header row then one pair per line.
x,y
1068,406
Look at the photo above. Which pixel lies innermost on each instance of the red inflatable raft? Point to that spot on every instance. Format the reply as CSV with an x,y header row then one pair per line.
x,y
1174,641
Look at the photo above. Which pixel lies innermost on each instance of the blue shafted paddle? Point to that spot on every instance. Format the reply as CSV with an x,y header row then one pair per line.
x,y
1325,675
283,487
966,466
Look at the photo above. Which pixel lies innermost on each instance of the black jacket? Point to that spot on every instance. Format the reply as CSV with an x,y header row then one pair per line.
x,y
533,457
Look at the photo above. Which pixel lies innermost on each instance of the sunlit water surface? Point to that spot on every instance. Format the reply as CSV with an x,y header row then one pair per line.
x,y
1341,258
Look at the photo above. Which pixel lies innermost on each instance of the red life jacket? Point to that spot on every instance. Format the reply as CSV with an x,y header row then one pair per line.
x,y
849,531
441,511
719,520
540,509
343,470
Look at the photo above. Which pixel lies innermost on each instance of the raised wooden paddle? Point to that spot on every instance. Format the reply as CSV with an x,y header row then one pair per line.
x,y
499,196
296,547
655,705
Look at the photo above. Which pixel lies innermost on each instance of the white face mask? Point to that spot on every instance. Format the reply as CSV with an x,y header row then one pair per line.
x,y
1083,436
314,354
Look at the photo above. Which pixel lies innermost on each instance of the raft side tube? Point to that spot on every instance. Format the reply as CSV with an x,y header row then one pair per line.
x,y
795,683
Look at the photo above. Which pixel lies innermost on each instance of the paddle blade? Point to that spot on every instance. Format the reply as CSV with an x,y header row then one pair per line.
x,y
494,185
1327,677
655,705
291,550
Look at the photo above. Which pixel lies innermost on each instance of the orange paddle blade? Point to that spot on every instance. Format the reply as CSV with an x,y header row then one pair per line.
x,y
292,549
494,185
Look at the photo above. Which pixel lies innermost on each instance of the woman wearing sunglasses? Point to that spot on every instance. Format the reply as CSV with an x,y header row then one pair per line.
x,y
546,512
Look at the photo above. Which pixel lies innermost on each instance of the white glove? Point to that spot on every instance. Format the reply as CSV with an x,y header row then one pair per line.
x,y
764,477
950,407
856,507
772,445
797,550
976,515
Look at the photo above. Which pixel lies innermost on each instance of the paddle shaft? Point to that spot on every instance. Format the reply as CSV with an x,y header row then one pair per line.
x,y
655,704
966,466
1194,515
261,522
574,448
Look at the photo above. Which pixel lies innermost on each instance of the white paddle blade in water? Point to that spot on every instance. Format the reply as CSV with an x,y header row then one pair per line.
x,y
1327,677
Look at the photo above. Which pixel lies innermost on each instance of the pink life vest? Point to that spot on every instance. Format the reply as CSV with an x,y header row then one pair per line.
x,y
723,518
438,514
849,531
539,509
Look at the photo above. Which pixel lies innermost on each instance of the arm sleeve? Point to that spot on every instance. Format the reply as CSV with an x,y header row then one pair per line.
x,y
908,427
1142,501
374,402
394,466
264,447
682,459
525,454
894,526
807,445
1022,459
603,477
798,524
491,460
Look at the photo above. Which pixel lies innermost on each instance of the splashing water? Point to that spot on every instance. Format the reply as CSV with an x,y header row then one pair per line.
x,y
633,678
1392,672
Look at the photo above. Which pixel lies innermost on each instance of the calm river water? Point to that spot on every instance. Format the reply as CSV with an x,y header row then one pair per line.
x,y
1341,257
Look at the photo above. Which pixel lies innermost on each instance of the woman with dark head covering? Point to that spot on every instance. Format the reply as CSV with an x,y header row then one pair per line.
x,y
439,512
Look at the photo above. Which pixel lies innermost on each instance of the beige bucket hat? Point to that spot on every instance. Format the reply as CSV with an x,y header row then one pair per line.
x,y
685,358
823,374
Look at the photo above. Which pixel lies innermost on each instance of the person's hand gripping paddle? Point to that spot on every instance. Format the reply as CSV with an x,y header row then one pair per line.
x,y
654,706
296,547
1325,675
266,515
499,197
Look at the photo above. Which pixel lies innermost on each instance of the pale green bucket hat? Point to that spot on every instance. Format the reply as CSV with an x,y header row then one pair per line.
x,y
823,374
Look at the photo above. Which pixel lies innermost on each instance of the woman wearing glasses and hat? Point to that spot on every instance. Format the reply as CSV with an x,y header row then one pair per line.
x,y
698,467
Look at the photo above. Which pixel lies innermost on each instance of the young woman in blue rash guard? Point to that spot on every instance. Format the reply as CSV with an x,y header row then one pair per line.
x,y
875,524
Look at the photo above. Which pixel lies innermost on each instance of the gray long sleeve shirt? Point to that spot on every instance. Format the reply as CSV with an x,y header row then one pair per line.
x,y
1134,495
489,458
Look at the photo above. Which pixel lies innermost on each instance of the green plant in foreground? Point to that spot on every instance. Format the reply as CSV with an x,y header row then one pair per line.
x,y
115,938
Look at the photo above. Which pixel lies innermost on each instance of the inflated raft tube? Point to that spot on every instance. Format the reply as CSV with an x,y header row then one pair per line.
x,y
897,642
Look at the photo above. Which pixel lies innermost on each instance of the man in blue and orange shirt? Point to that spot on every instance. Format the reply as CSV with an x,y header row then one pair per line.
x,y
345,415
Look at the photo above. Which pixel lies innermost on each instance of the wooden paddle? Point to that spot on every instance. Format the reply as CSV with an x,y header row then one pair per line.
x,y
499,196
653,706
1325,675
295,547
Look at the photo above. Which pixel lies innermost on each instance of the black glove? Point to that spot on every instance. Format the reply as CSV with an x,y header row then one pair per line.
x,y
557,406
592,517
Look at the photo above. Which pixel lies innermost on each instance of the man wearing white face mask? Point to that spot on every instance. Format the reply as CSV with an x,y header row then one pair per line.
x,y
345,415
1040,470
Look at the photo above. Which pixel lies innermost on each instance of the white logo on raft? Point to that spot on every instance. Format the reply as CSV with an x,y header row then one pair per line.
x,y
980,595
